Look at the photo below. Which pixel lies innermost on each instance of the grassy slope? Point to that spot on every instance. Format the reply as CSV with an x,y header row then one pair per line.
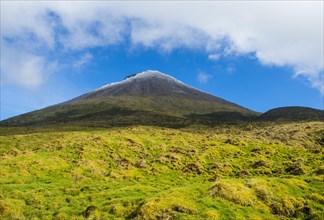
x,y
293,113
104,111
255,171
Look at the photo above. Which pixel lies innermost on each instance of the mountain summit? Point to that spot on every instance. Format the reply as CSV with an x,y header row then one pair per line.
x,y
151,83
149,98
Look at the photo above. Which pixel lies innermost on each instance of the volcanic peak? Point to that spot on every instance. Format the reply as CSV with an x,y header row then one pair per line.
x,y
148,74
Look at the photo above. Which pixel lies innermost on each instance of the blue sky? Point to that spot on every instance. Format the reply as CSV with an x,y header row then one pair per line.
x,y
252,58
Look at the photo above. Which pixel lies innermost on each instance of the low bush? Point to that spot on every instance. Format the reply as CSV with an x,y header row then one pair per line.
x,y
235,192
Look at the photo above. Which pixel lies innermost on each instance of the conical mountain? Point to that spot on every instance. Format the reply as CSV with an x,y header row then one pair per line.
x,y
152,83
149,97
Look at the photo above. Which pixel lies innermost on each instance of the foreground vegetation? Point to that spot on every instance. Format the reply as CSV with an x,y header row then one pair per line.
x,y
251,171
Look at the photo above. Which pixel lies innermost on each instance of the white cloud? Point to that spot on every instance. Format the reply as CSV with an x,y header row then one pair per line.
x,y
23,68
166,36
26,21
214,56
26,71
203,77
316,79
85,59
287,33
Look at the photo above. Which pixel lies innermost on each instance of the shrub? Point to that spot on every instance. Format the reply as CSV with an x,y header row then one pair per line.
x,y
89,210
296,168
141,164
118,210
260,163
263,194
317,197
212,214
5,209
61,216
12,209
288,206
163,208
242,173
235,192
193,168
320,171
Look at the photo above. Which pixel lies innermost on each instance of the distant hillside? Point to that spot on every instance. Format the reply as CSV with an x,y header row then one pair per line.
x,y
293,114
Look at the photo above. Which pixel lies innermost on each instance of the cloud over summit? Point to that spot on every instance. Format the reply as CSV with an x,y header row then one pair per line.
x,y
277,33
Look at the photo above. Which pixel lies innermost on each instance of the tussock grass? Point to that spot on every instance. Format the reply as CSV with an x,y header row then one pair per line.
x,y
254,171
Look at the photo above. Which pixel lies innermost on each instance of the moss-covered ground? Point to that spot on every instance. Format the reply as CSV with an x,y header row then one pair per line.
x,y
247,171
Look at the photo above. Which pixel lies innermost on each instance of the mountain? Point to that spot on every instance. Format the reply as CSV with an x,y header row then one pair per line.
x,y
149,98
153,98
152,83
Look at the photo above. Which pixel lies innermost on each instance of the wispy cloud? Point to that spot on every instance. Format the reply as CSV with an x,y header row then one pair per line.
x,y
203,77
230,68
294,37
214,56
316,79
84,60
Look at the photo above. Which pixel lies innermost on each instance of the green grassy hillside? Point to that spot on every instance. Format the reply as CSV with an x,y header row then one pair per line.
x,y
125,110
251,171
293,113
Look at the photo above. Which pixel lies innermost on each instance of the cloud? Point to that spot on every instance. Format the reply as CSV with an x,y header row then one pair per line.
x,y
23,68
214,56
85,59
203,77
166,36
27,70
230,68
316,79
281,33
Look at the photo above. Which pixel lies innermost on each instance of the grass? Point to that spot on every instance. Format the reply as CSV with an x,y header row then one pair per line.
x,y
250,171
